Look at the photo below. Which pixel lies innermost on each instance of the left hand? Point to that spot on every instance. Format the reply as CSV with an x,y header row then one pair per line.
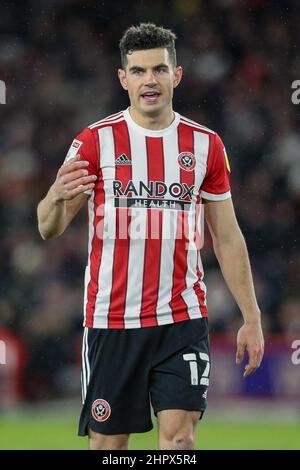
x,y
250,338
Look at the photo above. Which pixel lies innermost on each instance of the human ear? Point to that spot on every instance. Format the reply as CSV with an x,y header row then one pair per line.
x,y
122,78
177,76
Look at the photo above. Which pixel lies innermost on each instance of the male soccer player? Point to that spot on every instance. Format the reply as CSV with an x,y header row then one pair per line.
x,y
145,173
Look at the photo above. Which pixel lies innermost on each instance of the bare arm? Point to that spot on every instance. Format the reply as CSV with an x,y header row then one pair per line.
x,y
231,252
64,199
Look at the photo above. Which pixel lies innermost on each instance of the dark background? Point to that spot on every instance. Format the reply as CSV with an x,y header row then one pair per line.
x,y
59,61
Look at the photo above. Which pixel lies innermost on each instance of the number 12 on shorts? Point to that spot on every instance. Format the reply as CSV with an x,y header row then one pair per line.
x,y
192,359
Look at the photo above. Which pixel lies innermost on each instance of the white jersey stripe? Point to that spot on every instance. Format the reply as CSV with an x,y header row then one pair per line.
x,y
189,295
85,364
202,151
200,267
87,276
216,197
169,229
201,148
200,129
200,225
83,369
112,117
194,124
201,145
137,232
103,123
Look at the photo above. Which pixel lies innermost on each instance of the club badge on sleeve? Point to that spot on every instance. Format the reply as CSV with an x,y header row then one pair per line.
x,y
73,150
226,160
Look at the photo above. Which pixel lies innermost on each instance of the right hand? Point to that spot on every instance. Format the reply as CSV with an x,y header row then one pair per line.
x,y
72,179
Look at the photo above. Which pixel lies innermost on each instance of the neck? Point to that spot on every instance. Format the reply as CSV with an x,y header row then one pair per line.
x,y
155,122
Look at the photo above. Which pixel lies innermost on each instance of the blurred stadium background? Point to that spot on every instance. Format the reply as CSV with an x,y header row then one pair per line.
x,y
59,60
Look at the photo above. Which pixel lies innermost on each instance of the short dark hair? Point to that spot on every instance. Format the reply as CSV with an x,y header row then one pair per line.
x,y
147,36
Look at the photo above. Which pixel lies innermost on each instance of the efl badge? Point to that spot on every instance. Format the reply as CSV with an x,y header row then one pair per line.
x,y
187,161
101,410
73,150
226,160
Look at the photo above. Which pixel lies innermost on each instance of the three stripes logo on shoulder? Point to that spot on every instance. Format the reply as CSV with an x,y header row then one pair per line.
x,y
101,410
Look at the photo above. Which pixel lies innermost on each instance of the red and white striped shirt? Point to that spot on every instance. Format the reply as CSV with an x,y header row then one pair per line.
x,y
145,233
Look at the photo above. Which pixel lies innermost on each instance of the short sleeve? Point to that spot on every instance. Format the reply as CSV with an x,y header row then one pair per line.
x,y
84,145
216,185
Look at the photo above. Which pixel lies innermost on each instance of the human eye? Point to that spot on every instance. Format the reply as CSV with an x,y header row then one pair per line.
x,y
137,72
161,70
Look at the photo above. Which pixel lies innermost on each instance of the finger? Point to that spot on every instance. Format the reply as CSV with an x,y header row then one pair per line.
x,y
73,175
254,361
67,167
80,189
249,371
260,356
71,166
240,353
73,159
261,351
255,356
80,181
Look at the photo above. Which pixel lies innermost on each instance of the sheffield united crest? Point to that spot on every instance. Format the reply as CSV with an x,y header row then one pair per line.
x,y
187,161
101,410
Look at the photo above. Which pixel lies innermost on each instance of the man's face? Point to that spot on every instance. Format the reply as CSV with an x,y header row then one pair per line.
x,y
150,78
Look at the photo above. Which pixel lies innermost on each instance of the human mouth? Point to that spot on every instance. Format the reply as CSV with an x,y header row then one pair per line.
x,y
150,96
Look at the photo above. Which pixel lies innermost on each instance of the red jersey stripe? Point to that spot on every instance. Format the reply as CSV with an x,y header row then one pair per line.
x,y
96,251
177,304
122,242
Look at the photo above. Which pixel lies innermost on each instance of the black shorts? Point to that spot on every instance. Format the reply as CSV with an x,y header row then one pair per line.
x,y
124,372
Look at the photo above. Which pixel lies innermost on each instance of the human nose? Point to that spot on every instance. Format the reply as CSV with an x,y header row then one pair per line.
x,y
150,78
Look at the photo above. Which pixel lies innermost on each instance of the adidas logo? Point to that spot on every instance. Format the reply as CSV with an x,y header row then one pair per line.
x,y
123,160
